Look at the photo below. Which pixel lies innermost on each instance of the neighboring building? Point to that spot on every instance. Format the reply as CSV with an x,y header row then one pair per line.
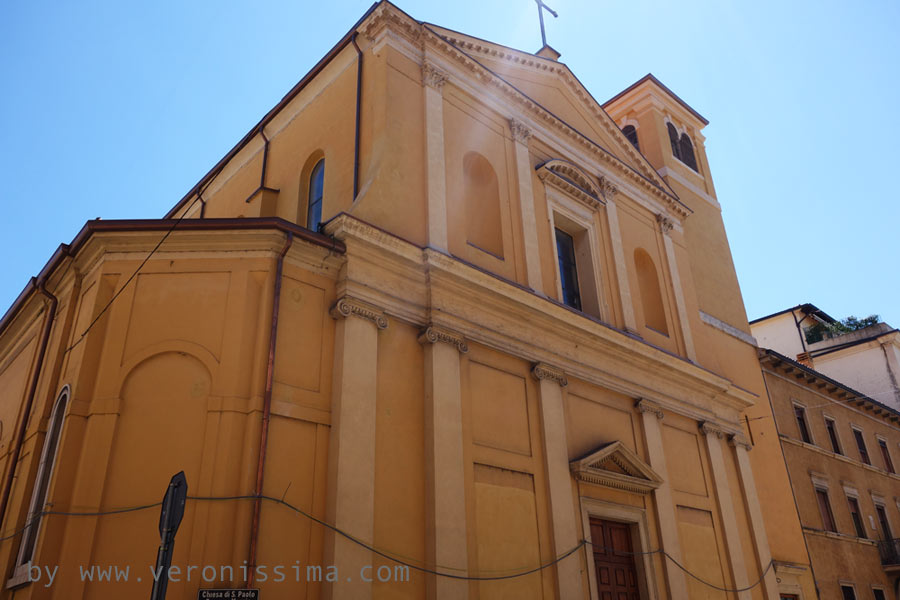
x,y
842,449
867,359
440,298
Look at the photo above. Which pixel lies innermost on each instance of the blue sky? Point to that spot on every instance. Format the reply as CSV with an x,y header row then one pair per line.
x,y
115,109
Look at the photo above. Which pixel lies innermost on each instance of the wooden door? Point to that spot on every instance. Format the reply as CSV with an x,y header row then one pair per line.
x,y
614,565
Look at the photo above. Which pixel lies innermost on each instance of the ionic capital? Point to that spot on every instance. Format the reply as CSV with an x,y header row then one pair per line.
x,y
544,371
432,76
433,335
645,406
710,428
520,131
739,441
349,306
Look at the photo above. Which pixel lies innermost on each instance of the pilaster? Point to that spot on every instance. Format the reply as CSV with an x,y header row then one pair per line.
x,y
651,415
445,499
665,228
612,214
351,456
714,438
435,171
521,134
757,524
556,459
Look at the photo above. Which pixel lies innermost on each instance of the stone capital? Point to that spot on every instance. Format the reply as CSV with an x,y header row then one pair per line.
x,y
646,406
544,371
739,441
432,76
665,223
349,306
520,131
710,428
432,335
608,188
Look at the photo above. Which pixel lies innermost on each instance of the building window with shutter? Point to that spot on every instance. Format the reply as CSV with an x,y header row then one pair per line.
x,y
861,446
802,426
568,271
833,436
825,510
856,515
886,455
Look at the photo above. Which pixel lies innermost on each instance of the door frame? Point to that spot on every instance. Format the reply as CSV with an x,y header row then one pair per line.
x,y
640,541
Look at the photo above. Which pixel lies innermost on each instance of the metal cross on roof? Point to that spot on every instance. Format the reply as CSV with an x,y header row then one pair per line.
x,y
541,7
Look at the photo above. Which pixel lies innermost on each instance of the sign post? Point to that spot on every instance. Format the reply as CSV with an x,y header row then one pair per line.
x,y
169,519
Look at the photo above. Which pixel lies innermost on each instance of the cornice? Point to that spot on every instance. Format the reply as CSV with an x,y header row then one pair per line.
x,y
414,283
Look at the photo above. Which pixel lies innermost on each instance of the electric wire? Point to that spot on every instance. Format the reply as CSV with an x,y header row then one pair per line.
x,y
133,275
384,554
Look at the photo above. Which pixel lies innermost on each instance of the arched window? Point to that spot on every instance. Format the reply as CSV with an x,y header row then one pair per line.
x,y
651,296
314,198
482,204
673,140
682,148
687,151
42,481
631,133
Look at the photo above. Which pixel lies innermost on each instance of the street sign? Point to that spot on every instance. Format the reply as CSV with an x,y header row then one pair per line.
x,y
169,519
228,595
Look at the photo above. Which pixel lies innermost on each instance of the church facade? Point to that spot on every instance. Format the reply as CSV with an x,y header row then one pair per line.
x,y
441,325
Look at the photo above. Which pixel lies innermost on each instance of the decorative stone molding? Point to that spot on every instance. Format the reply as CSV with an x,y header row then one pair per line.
x,y
544,371
433,335
645,406
729,329
665,223
461,50
608,189
571,180
615,466
520,131
739,441
432,76
350,306
710,428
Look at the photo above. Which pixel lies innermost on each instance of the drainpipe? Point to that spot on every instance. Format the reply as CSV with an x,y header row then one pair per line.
x,y
267,411
50,312
359,65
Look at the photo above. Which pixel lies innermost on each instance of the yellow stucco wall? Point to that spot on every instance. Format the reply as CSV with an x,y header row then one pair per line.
x,y
172,376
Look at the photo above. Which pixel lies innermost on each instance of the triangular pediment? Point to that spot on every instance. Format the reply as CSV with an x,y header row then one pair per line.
x,y
616,466
552,86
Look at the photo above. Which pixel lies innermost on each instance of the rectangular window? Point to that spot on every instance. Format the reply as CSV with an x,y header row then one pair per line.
x,y
800,413
885,453
832,435
825,510
568,270
848,593
883,521
861,445
878,594
856,515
